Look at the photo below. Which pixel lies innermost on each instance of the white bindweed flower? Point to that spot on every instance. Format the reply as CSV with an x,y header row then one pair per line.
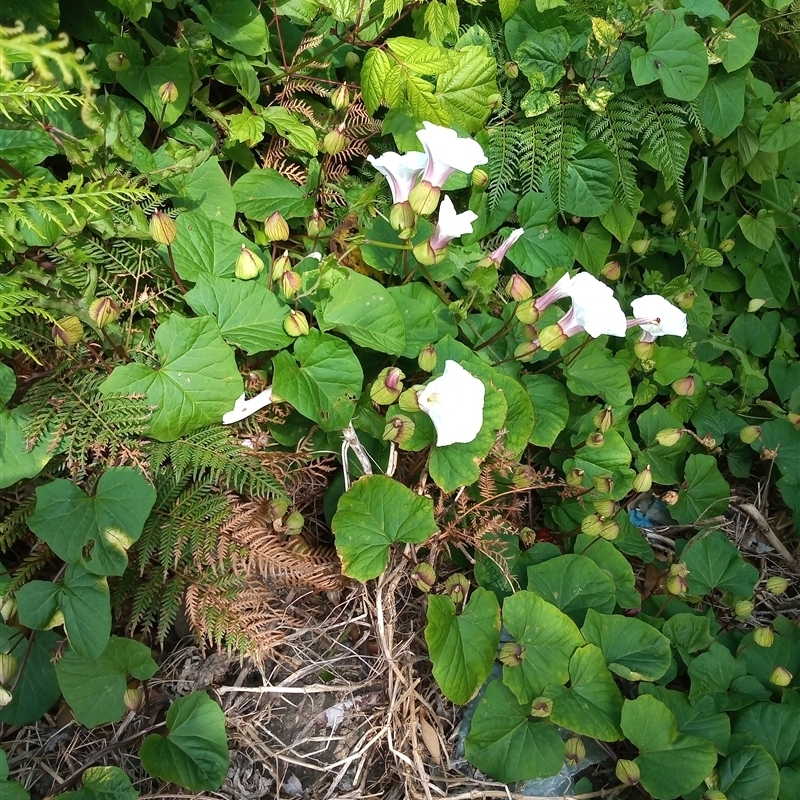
x,y
244,408
454,402
499,254
449,226
656,316
400,171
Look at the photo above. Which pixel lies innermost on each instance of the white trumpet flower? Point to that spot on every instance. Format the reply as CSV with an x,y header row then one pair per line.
x,y
401,172
497,256
245,408
454,402
656,316
449,226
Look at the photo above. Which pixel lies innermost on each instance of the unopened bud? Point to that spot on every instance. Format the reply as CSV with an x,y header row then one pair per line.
x,y
512,654
299,545
104,311
518,288
644,350
511,69
427,358
118,61
67,332
604,419
714,794
669,437
667,205
668,217
685,299
5,697
755,304
679,568
340,99
134,698
780,677
794,419
726,245
627,772
399,430
387,386
457,586
525,351
290,283
750,434
8,607
524,476
743,609
609,531
248,265
777,585
296,324
276,228
640,246
575,477
480,178
403,219
494,101
315,224
763,637
352,60
168,92
611,271
684,387
409,399
8,667
605,508
552,337
335,141
592,525
293,524
280,265
677,585
595,439
643,480
526,312
574,751
530,333
603,483
277,508
423,576
542,707
162,228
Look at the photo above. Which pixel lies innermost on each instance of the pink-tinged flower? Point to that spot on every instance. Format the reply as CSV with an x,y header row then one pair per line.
x,y
499,254
401,172
244,408
449,226
656,316
454,402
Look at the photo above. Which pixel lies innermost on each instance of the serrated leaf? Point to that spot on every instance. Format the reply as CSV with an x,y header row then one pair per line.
x,y
464,90
381,80
424,106
421,57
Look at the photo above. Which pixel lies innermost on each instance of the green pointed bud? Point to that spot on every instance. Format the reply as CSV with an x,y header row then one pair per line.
x,y
604,420
457,586
280,265
526,312
777,585
5,697
399,430
755,304
277,508
511,70
527,536
669,437
387,387
133,698
574,751
676,585
684,387
595,439
424,198
518,288
603,483
668,217
530,333
352,60
641,246
103,311
168,93
426,255
162,228
296,324
643,481
627,772
763,637
609,531
67,332
667,205
605,508
276,228
427,358
552,337
541,707
494,101
409,399
315,225
8,667
780,677
8,607
340,99
511,654
592,525
743,609
335,141
248,265
525,351
402,217
575,477
644,350
750,434
726,245
480,178
423,576
290,284
118,61
685,299
524,477
293,524
611,271
679,568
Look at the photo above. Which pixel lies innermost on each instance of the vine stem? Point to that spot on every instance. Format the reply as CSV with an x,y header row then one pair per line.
x,y
175,275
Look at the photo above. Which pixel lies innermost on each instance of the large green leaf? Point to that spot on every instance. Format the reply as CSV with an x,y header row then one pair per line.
x,y
714,562
9,790
420,324
675,55
69,521
509,745
632,649
613,564
671,763
197,383
205,188
462,646
247,313
595,373
373,514
592,704
84,600
780,130
548,638
712,673
612,458
261,192
238,23
738,43
541,57
540,249
103,783
194,754
95,689
590,180
463,90
760,229
325,384
706,494
364,311
721,102
550,408
750,774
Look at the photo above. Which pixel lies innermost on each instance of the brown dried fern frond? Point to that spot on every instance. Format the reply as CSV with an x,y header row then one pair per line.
x,y
308,42
301,84
276,158
298,106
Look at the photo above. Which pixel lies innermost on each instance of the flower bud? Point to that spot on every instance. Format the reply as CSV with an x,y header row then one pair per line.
x,y
794,419
527,536
768,454
387,386
248,265
296,324
457,586
480,178
684,387
643,480
677,585
118,61
104,311
750,433
168,93
8,667
755,304
133,698
714,794
399,430
511,69
402,218
315,224
352,60
726,245
685,299
667,205
627,772
669,437
525,351
575,751
763,637
277,508
427,358
526,312
518,288
670,498
609,531
335,141
603,483
777,585
644,350
340,99
668,217
575,477
67,332
611,271
595,439
524,476
280,265
162,228
409,399
494,101
592,525
512,654
299,545
8,607
293,524
641,246
541,707
5,697
276,228
780,677
530,333
679,568
605,508
290,283
423,576
743,609
424,198
604,419
552,337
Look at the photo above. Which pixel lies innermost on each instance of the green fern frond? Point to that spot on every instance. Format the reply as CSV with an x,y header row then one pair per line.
x,y
561,135
14,521
18,300
663,124
19,98
503,152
